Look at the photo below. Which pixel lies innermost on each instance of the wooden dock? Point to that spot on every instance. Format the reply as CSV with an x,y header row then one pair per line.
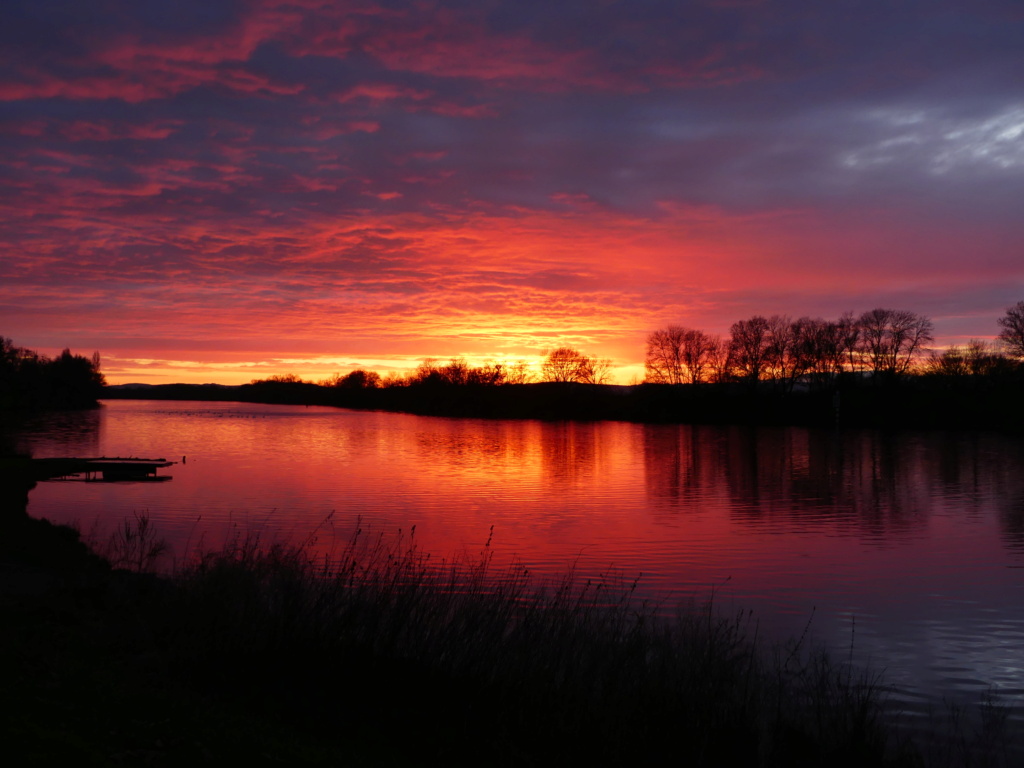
x,y
104,468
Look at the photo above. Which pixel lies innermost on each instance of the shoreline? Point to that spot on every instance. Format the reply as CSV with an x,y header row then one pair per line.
x,y
211,655
914,403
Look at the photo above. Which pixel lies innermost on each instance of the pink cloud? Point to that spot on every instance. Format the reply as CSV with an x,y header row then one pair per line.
x,y
450,109
24,127
460,50
84,130
380,92
126,67
42,85
435,42
440,43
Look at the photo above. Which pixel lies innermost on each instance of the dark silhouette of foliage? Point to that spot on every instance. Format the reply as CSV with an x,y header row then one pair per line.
x,y
488,375
30,380
287,389
359,379
822,345
455,373
566,364
750,345
891,339
778,354
1012,333
975,358
771,370
678,355
518,373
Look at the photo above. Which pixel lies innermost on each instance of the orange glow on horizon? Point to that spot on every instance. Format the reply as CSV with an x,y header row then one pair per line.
x,y
498,286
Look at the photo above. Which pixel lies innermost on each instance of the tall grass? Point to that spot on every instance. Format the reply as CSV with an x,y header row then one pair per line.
x,y
464,661
133,545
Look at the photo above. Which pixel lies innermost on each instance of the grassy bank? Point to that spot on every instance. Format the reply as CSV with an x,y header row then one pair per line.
x,y
378,655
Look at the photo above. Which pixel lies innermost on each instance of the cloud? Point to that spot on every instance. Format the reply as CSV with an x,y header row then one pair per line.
x,y
439,178
942,143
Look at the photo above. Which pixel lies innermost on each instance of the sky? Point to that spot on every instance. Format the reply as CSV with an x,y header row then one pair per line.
x,y
210,191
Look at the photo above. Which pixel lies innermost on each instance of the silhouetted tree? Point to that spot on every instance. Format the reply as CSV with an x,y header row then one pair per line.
x,y
1012,333
425,373
8,367
890,339
518,373
982,358
976,358
72,380
663,363
28,379
848,329
359,379
698,347
488,375
457,372
678,355
749,342
807,349
597,371
950,362
393,380
567,364
829,340
719,360
784,361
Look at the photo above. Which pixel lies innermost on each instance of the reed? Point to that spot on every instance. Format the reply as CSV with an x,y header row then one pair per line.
x,y
377,653
464,659
133,545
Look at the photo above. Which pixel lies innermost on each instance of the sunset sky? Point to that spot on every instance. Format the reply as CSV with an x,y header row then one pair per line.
x,y
211,191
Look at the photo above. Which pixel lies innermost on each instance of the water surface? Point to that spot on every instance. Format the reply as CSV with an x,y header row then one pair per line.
x,y
907,546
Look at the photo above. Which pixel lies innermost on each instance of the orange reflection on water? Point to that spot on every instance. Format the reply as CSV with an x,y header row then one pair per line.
x,y
916,540
789,521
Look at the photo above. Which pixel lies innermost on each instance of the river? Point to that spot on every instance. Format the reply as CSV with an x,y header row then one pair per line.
x,y
904,549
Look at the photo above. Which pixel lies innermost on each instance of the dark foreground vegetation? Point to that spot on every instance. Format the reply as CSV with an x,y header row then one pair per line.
x,y
380,656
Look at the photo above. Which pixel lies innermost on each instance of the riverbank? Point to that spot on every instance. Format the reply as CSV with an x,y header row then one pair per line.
x,y
916,402
383,657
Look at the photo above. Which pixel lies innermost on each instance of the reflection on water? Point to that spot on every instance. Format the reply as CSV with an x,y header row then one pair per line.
x,y
876,485
60,433
912,542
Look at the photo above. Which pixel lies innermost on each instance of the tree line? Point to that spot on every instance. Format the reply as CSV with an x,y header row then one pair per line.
x,y
31,380
768,370
882,343
781,349
564,364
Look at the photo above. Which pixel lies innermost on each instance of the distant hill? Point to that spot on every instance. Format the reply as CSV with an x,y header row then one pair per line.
x,y
139,391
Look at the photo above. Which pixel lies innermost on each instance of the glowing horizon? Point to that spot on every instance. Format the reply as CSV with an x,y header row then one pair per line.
x,y
216,194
